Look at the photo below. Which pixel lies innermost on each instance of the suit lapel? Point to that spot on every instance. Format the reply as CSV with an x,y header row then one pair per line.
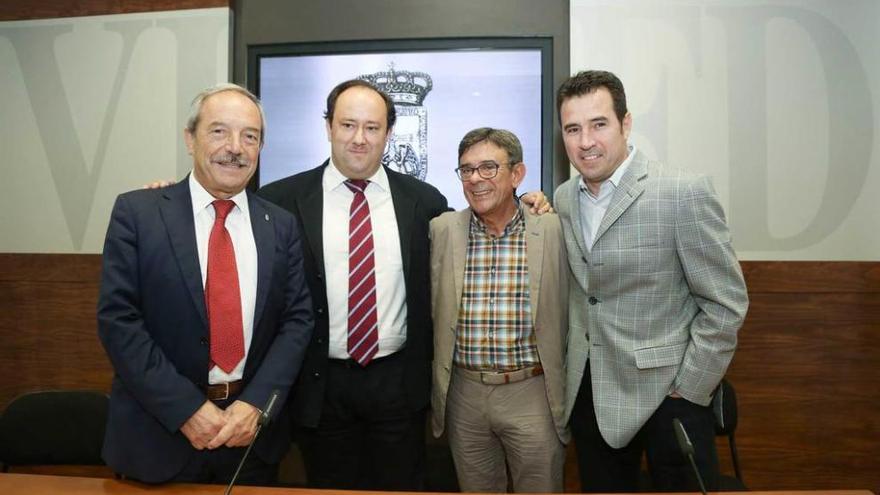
x,y
575,213
459,234
404,212
311,208
177,214
630,188
535,256
264,236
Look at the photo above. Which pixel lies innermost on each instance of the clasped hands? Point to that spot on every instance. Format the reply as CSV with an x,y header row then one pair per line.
x,y
211,427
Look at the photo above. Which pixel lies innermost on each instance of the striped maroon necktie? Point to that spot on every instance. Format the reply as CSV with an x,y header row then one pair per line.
x,y
222,293
363,329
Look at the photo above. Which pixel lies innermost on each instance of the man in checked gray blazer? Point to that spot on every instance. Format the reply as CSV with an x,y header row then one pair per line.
x,y
655,304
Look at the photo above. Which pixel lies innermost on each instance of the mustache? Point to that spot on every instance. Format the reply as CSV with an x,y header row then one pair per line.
x,y
233,160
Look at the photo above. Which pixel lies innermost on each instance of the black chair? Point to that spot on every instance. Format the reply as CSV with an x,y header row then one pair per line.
x,y
724,407
60,427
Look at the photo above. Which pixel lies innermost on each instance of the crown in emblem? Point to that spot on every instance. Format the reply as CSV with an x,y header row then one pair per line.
x,y
402,86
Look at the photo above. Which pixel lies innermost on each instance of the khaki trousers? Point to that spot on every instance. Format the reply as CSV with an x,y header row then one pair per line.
x,y
493,428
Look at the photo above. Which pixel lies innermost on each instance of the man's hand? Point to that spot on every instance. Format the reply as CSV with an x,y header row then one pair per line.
x,y
240,428
537,202
159,184
204,425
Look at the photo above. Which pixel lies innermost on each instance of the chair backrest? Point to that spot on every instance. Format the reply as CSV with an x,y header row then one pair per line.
x,y
726,418
724,407
54,427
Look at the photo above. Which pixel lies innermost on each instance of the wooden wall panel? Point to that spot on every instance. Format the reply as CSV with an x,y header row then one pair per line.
x,y
48,326
47,9
807,371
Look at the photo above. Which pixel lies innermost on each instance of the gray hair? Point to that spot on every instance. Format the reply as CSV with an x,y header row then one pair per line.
x,y
195,110
502,138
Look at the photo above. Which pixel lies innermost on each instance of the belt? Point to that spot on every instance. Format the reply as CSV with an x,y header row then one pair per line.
x,y
223,391
500,377
351,363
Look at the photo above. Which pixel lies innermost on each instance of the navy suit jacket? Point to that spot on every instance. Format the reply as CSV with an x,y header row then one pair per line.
x,y
415,204
152,322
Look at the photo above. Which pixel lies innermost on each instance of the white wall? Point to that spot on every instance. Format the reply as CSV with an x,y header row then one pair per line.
x,y
776,100
91,107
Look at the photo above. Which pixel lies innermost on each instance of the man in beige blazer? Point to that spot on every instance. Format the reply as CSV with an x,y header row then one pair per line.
x,y
656,304
499,291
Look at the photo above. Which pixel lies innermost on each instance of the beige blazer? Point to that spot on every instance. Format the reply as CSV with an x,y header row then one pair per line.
x,y
548,288
656,304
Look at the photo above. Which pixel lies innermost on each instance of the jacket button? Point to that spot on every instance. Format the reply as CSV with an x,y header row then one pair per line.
x,y
320,311
320,340
203,341
592,300
316,375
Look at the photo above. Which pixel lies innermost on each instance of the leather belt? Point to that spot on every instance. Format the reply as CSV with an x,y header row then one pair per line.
x,y
501,377
223,391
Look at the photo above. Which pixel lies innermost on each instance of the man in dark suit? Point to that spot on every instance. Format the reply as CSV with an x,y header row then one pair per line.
x,y
360,410
203,310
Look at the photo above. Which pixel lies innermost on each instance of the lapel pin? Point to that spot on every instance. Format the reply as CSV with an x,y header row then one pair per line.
x,y
267,217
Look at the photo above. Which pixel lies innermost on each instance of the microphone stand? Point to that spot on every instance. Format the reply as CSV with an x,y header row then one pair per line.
x,y
265,418
687,449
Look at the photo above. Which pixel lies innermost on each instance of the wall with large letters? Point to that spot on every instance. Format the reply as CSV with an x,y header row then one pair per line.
x,y
776,100
94,106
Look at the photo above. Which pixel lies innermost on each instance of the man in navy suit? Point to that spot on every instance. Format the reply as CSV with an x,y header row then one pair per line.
x,y
203,310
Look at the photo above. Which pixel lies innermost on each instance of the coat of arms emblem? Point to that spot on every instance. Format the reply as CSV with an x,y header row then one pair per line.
x,y
407,150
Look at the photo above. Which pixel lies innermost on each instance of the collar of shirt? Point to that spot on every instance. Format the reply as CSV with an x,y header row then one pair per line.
x,y
333,179
516,224
608,186
202,199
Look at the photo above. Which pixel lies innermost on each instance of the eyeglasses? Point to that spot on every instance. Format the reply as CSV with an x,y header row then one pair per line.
x,y
487,170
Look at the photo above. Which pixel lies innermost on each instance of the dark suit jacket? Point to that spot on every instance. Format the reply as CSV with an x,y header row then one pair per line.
x,y
153,324
415,204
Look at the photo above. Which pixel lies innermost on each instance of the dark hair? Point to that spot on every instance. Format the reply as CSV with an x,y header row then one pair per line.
x,y
391,116
502,138
588,81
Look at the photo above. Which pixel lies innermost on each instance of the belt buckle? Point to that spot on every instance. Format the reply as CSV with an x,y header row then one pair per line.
x,y
493,378
225,391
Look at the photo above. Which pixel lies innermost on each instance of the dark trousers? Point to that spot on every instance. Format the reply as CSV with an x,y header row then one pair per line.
x,y
606,469
367,438
217,467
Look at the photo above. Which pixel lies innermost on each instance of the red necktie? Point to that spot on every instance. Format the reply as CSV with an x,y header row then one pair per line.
x,y
222,293
363,329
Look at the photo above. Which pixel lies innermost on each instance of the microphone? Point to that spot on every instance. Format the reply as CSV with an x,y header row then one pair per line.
x,y
687,450
264,419
266,416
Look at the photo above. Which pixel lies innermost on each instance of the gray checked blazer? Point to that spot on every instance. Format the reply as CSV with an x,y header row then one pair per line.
x,y
655,306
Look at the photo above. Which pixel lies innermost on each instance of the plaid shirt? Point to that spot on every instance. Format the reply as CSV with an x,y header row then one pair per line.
x,y
494,320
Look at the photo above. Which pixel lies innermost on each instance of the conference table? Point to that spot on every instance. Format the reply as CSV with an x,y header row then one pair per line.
x,y
36,484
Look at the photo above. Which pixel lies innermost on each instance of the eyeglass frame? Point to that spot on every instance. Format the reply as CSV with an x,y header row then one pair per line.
x,y
479,168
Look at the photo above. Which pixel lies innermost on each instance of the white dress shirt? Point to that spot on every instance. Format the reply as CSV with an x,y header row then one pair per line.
x,y
390,288
592,207
238,223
